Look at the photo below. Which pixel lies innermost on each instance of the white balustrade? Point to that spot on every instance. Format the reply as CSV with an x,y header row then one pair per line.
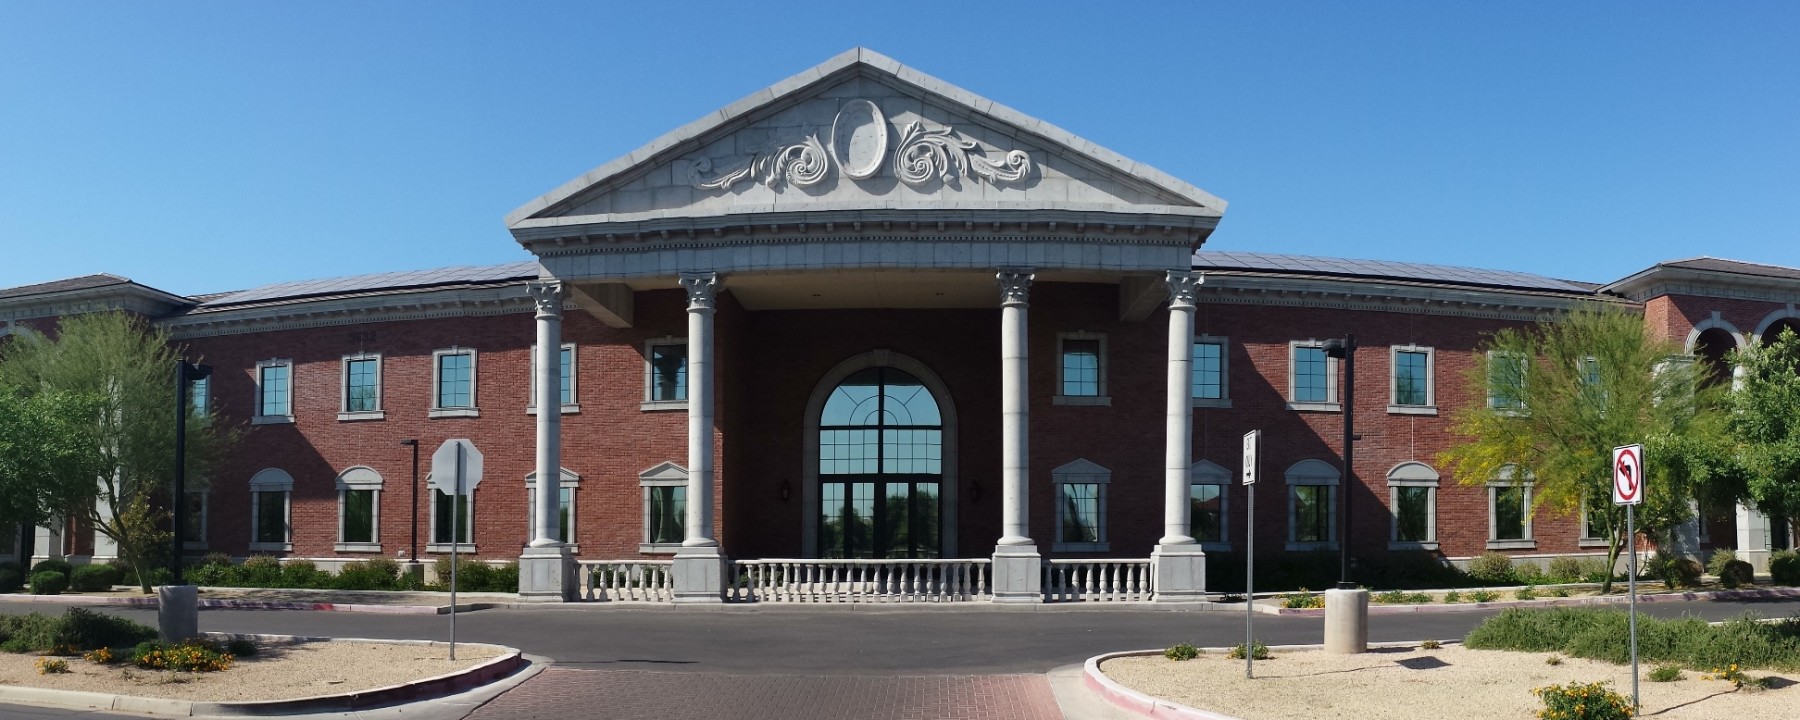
x,y
1097,580
615,580
819,580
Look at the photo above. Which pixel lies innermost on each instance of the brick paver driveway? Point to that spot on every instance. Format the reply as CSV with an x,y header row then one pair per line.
x,y
560,694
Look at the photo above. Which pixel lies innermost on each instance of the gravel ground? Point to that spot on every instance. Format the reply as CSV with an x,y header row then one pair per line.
x,y
1408,683
277,672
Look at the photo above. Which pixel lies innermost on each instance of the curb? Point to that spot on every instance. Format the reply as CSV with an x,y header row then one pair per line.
x,y
510,660
150,602
1150,706
1707,595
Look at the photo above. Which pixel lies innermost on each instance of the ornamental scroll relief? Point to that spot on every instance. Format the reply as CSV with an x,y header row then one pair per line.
x,y
858,146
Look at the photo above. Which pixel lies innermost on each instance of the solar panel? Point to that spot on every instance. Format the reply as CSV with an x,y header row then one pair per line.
x,y
380,281
1220,259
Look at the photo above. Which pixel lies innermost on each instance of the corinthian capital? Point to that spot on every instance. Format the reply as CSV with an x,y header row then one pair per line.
x,y
1015,287
1183,286
548,296
702,289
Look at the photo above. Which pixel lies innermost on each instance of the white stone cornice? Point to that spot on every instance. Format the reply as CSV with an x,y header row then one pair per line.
x,y
549,298
1235,289
702,289
1015,287
1182,287
461,302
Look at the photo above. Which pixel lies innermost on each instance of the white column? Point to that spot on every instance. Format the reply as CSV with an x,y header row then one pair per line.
x,y
1015,418
1178,455
549,297
702,289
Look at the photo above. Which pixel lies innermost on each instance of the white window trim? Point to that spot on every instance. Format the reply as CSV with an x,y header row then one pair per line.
x,y
1394,406
259,418
431,525
271,480
345,414
192,543
203,406
1313,473
361,477
1081,472
1100,397
1524,377
667,474
1412,474
1224,398
650,376
569,480
1505,480
437,369
1331,380
1206,472
568,408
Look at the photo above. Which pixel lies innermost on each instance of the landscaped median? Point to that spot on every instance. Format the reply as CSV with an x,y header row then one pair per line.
x,y
1396,602
1513,666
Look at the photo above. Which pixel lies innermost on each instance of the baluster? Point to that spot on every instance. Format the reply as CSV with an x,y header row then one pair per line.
x,y
1113,589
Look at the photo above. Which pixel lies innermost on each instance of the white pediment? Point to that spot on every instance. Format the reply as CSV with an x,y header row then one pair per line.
x,y
863,133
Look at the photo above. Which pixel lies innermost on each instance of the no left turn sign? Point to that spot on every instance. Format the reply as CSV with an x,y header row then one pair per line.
x,y
1628,475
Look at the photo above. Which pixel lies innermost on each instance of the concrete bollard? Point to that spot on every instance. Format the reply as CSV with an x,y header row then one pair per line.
x,y
177,612
1346,621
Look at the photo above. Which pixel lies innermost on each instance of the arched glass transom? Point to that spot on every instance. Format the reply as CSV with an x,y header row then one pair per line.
x,y
880,464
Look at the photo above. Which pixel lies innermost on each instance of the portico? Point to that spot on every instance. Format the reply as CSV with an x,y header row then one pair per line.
x,y
864,185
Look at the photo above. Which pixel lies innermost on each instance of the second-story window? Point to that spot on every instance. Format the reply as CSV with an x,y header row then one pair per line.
x,y
274,392
454,391
362,385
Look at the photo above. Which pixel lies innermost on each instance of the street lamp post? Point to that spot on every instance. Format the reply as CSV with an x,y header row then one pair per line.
x,y
1346,350
413,553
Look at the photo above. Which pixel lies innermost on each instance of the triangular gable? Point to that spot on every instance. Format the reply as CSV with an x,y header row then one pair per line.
x,y
862,131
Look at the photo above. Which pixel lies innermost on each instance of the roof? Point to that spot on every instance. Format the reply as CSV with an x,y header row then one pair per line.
x,y
375,283
1734,266
84,282
1383,270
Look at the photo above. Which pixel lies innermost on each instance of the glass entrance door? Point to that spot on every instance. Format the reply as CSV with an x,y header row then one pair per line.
x,y
880,465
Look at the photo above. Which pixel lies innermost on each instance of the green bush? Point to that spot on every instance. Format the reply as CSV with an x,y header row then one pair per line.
x,y
1675,571
1453,597
1492,568
1410,570
1566,569
477,576
1736,574
371,574
1529,592
1481,596
303,573
60,566
1602,634
1529,574
1669,672
10,581
215,558
159,575
91,578
1391,597
75,630
241,647
185,656
1261,651
14,566
1784,567
1183,651
49,582
1583,701
1302,600
1715,564
261,571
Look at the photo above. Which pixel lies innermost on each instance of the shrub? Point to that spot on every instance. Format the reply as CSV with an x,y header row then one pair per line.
x,y
101,656
1675,571
261,571
13,565
1582,701
1561,592
1481,596
59,566
303,573
90,578
158,575
1183,651
1430,645
186,656
241,648
1261,651
75,630
1553,660
1409,570
214,575
1453,597
1492,568
1418,598
1529,592
1601,634
1566,569
1784,567
1736,574
11,581
215,559
1391,597
49,582
1304,599
1666,673
477,576
371,574
1716,563
1528,574
52,666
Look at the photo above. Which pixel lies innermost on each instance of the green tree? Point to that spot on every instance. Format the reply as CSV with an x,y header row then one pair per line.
x,y
40,441
1553,400
124,370
1765,425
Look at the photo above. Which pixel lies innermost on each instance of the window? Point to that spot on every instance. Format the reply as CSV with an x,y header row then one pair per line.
x,y
881,468
270,511
274,392
1594,522
1210,386
1412,500
1312,510
665,374
1506,381
565,509
362,388
1312,377
1509,512
1081,506
454,383
1208,491
359,510
194,529
566,366
665,507
200,394
1411,389
1081,378
1593,391
451,514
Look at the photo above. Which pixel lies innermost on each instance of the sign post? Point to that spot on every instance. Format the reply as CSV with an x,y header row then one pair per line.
x,y
455,470
1628,490
1251,439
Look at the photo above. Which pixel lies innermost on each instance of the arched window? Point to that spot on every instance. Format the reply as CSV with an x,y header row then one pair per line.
x,y
1715,344
880,466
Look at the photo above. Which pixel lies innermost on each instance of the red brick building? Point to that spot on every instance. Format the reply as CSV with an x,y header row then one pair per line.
x,y
867,314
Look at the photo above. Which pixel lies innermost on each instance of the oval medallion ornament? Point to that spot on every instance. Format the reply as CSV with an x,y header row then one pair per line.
x,y
859,138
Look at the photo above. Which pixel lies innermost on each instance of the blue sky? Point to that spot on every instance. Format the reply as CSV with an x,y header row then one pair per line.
x,y
209,146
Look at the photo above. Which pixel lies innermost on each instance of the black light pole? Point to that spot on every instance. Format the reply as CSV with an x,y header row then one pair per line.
x,y
413,555
1346,350
185,373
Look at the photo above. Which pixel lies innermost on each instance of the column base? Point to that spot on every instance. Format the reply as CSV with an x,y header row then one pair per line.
x,y
1018,574
547,574
177,612
1346,621
699,575
1180,573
